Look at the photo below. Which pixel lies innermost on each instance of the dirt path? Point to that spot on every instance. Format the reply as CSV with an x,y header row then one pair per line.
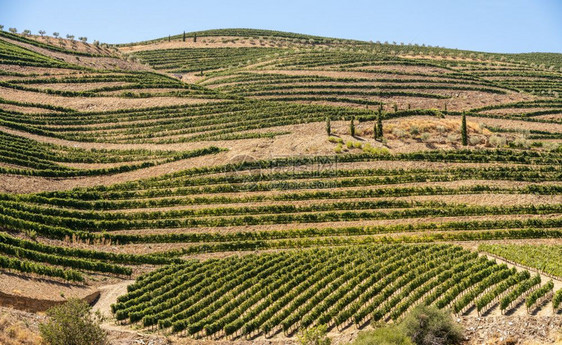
x,y
117,334
108,296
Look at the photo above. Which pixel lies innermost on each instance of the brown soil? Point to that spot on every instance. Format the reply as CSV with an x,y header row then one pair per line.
x,y
79,86
96,103
38,294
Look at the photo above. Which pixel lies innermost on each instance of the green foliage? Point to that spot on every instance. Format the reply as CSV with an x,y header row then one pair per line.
x,y
464,130
379,133
391,277
430,326
352,126
536,295
557,299
72,324
182,60
518,291
545,258
29,157
314,336
328,126
39,269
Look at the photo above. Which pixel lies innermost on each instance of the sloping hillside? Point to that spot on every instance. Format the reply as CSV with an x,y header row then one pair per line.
x,y
258,183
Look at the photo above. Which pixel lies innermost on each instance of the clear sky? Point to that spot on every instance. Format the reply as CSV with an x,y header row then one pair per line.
x,y
509,26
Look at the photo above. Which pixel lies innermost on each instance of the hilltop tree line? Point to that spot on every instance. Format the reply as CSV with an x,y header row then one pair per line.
x,y
55,34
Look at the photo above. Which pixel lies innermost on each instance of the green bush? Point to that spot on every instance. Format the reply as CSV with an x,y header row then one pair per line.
x,y
314,336
430,326
72,324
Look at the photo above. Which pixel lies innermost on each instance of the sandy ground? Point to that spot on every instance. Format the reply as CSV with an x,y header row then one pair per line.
x,y
40,288
108,296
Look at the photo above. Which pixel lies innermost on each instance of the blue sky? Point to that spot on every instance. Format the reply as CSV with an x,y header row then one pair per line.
x,y
510,26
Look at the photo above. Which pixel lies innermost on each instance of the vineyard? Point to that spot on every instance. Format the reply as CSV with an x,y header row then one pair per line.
x,y
336,287
541,257
257,183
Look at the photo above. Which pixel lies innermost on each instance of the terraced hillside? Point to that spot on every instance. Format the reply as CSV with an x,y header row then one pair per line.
x,y
256,183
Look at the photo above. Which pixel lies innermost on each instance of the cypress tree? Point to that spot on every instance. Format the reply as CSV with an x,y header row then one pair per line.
x,y
352,126
464,132
379,125
375,131
184,36
194,38
328,126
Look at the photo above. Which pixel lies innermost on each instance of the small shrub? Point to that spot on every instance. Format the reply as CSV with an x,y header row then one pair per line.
x,y
497,141
367,147
314,336
349,144
520,142
357,145
441,129
32,234
72,323
414,130
398,133
550,146
425,137
537,144
431,326
453,138
475,140
338,148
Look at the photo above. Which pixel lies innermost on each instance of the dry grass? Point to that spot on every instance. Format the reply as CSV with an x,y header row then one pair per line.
x,y
17,332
